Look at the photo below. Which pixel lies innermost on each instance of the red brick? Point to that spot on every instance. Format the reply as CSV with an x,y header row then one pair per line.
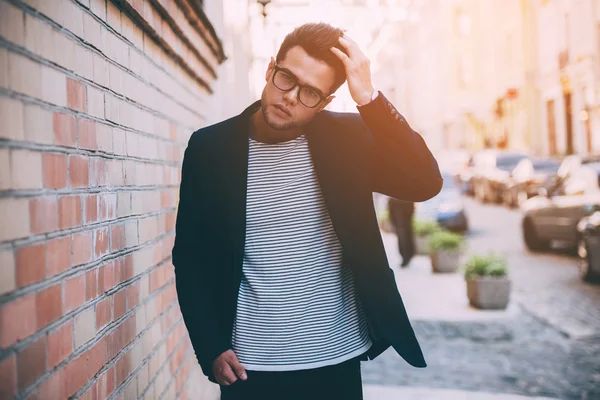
x,y
43,213
91,284
60,344
98,172
64,130
124,267
123,368
91,209
120,303
110,381
108,206
55,387
91,393
106,279
75,95
74,292
96,358
103,313
31,264
54,170
117,237
81,248
77,373
133,295
8,377
17,320
31,363
79,175
48,304
87,134
101,242
69,212
58,255
170,220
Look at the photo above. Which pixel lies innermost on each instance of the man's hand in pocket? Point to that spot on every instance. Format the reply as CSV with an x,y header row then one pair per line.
x,y
227,368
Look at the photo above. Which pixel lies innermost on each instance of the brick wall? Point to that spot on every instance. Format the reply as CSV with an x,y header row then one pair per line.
x,y
97,101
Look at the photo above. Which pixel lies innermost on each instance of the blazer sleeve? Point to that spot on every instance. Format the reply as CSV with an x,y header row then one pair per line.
x,y
194,273
400,163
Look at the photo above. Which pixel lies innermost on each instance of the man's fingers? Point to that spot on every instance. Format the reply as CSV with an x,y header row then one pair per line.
x,y
350,46
237,368
341,55
228,376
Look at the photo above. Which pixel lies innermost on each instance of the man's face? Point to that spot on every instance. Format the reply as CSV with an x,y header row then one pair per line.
x,y
282,110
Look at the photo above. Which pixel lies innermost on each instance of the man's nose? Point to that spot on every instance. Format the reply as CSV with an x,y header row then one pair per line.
x,y
292,96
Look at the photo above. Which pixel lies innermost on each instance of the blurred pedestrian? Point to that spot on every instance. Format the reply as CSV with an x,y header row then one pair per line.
x,y
281,275
401,216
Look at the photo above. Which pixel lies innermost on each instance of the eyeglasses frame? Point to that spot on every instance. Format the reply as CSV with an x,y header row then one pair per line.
x,y
297,84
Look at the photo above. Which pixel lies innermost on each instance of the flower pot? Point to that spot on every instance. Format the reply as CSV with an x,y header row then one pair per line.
x,y
490,293
386,226
444,261
422,245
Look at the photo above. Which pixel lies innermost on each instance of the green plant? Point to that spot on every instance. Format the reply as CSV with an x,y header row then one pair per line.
x,y
383,215
444,240
492,265
424,228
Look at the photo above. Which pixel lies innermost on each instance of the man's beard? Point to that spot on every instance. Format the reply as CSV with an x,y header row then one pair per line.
x,y
267,117
281,126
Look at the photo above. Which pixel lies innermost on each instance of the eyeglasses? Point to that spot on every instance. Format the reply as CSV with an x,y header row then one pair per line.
x,y
286,81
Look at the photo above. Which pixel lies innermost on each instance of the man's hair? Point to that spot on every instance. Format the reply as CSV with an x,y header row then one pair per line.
x,y
317,39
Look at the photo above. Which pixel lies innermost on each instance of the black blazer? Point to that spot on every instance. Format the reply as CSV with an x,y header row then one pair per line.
x,y
353,155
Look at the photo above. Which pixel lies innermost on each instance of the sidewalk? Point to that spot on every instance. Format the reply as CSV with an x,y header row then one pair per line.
x,y
374,392
416,285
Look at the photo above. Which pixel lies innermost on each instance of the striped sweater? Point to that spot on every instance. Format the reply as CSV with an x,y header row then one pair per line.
x,y
297,307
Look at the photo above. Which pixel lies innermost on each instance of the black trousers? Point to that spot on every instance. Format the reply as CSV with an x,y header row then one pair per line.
x,y
401,216
341,381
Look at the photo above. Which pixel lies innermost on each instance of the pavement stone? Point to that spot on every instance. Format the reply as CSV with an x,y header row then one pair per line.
x,y
376,392
545,344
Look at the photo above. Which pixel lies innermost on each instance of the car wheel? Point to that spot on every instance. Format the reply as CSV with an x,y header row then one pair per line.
x,y
531,238
586,272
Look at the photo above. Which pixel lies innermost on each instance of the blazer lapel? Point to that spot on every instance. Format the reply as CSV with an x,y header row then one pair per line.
x,y
329,169
235,183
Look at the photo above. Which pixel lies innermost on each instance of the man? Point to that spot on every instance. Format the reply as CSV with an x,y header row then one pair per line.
x,y
280,269
401,216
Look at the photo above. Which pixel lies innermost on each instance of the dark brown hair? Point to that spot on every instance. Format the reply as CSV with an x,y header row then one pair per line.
x,y
316,39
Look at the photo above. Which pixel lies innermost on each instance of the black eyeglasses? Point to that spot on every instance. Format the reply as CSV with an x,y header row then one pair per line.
x,y
286,81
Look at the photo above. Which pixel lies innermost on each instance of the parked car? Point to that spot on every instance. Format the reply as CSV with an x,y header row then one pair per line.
x,y
554,215
527,178
589,246
491,171
447,208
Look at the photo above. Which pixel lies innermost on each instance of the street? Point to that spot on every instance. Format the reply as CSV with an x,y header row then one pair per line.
x,y
547,343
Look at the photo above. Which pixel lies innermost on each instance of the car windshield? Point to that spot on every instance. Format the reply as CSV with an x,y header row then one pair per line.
x,y
546,165
503,161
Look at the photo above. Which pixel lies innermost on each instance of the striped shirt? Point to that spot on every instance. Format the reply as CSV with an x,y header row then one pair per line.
x,y
297,307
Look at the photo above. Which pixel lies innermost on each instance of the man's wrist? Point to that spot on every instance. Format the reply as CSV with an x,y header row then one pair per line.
x,y
372,96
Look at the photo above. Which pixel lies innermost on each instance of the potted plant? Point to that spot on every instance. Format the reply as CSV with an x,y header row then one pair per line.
x,y
423,229
488,286
445,250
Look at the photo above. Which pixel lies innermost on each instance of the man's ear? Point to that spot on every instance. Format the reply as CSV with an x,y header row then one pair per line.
x,y
326,102
270,69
